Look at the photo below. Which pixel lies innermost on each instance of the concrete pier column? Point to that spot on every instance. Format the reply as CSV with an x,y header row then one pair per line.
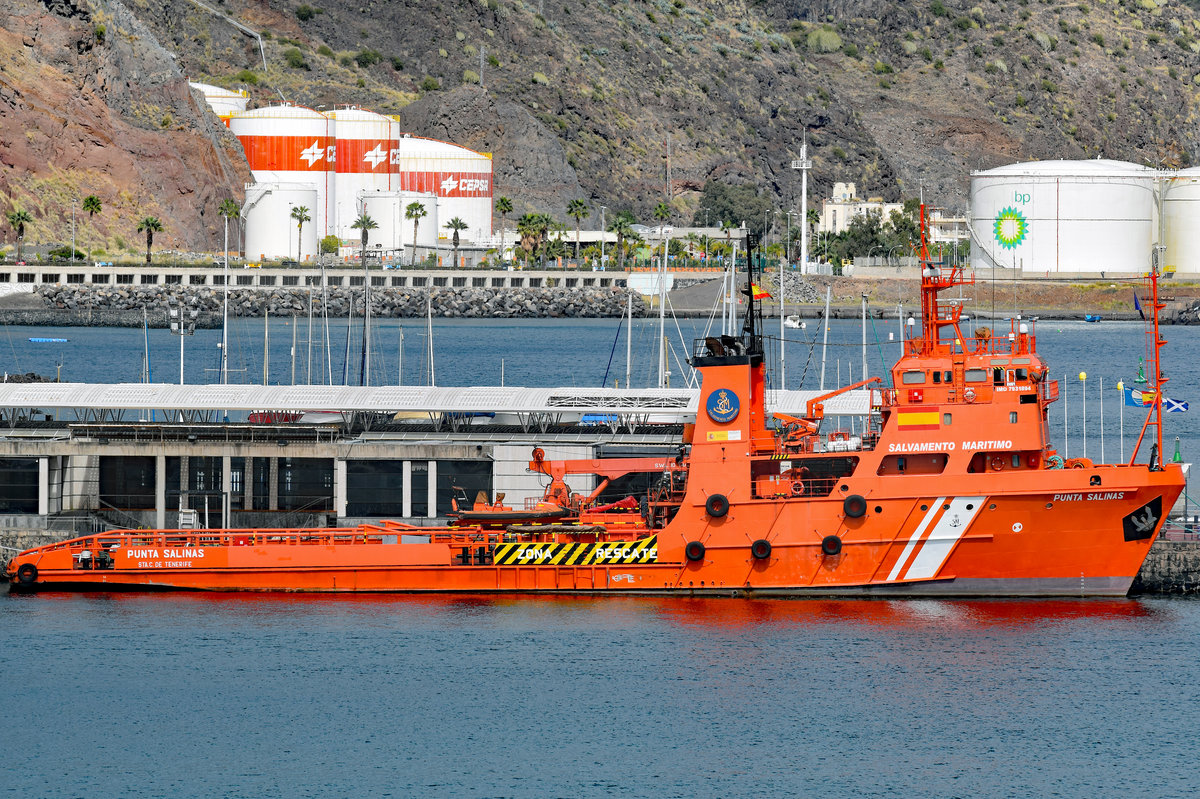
x,y
432,488
185,480
226,488
248,485
406,487
43,485
160,491
273,485
339,487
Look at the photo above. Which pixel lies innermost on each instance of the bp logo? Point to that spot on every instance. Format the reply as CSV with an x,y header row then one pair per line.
x,y
722,406
1011,228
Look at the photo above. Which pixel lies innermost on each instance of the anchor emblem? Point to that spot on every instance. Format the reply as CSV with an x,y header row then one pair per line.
x,y
722,406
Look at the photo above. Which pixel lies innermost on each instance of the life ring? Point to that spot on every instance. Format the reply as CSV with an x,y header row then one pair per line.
x,y
797,489
831,545
760,549
694,551
854,506
27,574
969,395
716,506
997,464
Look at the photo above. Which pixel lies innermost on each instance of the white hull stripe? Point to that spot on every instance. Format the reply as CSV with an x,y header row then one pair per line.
x,y
915,537
946,533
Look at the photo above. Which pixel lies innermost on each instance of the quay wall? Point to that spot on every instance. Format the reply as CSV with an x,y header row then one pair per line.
x,y
86,305
1171,567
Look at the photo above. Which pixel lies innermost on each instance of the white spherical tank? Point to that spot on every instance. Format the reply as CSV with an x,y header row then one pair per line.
x,y
461,179
366,144
291,144
1056,217
271,230
1181,218
223,102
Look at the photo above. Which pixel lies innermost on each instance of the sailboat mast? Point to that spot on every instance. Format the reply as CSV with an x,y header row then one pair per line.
x,y
225,323
628,336
825,341
429,336
266,346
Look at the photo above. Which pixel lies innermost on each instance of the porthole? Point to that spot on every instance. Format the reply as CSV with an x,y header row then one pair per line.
x,y
879,509
945,507
1049,505
992,506
970,507
924,507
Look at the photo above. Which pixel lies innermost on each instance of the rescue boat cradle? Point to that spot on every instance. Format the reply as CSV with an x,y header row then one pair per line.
x,y
953,488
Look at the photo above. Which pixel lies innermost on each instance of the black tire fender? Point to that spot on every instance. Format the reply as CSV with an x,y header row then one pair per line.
x,y
831,545
760,549
694,551
27,574
855,506
716,506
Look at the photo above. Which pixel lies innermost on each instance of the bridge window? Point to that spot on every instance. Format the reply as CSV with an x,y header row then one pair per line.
x,y
976,375
913,378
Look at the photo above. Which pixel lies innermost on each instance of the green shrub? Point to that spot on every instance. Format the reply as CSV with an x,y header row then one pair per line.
x,y
329,245
247,76
850,50
325,51
397,64
430,84
540,78
823,40
938,9
493,61
294,59
881,68
99,32
367,58
470,76
306,12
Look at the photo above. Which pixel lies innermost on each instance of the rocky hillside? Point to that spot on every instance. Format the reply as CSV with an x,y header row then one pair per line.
x,y
588,98
93,104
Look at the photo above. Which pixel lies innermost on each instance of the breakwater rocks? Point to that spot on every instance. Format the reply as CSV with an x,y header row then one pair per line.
x,y
123,306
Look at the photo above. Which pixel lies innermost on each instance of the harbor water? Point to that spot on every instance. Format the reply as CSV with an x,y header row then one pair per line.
x,y
281,696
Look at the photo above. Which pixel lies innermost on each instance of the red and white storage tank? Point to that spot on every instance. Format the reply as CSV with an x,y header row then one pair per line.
x,y
223,102
366,152
460,178
289,144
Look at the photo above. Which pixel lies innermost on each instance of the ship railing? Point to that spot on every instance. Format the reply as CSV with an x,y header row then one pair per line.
x,y
1049,390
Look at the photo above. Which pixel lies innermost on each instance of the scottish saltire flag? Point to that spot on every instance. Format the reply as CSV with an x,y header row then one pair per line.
x,y
1138,399
1174,406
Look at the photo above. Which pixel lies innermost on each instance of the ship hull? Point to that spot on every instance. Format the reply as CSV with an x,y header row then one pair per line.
x,y
1007,545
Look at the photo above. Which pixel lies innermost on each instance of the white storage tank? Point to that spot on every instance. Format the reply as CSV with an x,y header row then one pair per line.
x,y
461,179
271,231
223,102
427,226
366,145
387,210
294,145
1181,213
1052,217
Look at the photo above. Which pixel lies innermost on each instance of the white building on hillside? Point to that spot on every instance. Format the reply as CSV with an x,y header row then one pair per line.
x,y
838,211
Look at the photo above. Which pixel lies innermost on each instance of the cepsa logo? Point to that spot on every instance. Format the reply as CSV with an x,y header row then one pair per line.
x,y
456,186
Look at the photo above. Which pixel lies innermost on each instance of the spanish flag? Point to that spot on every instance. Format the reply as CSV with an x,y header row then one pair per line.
x,y
758,292
919,418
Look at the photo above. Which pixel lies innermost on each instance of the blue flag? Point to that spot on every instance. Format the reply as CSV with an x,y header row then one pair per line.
x,y
1174,406
1138,399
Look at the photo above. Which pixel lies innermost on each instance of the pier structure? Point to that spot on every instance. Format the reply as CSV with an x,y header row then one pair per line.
x,y
79,457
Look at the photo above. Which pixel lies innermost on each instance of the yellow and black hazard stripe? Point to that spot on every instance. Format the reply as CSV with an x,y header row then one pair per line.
x,y
644,550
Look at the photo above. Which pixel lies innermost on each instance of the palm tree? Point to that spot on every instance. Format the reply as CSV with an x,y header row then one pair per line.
x,y
18,220
622,225
91,204
151,225
415,211
529,228
504,208
227,209
365,224
456,225
579,210
727,229
545,223
300,214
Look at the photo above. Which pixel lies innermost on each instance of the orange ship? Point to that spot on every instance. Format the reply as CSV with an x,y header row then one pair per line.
x,y
952,489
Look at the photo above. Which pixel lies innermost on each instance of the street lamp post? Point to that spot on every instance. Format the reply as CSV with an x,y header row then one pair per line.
x,y
602,230
183,323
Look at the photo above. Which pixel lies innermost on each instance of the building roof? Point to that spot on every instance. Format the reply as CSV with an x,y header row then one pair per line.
x,y
85,397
